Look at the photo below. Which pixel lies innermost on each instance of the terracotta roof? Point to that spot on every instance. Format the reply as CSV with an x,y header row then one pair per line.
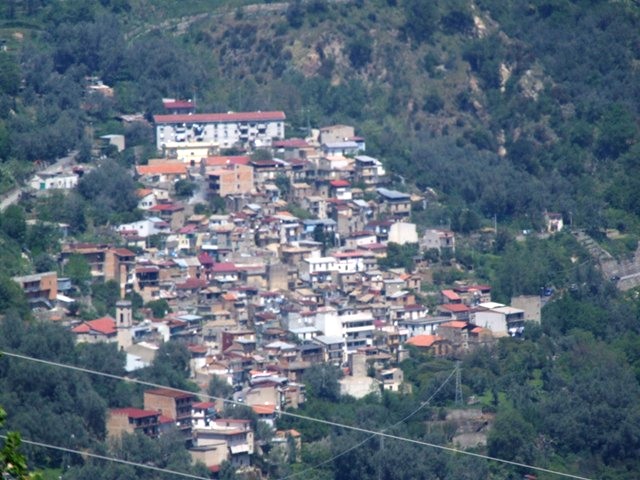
x,y
124,252
423,341
454,324
169,104
164,420
104,325
450,295
220,161
455,307
167,392
197,349
267,409
205,259
166,207
134,412
224,267
220,117
167,168
290,143
339,183
143,192
148,269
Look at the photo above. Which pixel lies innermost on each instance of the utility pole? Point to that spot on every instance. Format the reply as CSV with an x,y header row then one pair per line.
x,y
458,384
380,458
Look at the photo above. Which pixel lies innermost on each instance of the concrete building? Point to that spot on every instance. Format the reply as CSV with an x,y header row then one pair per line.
x,y
498,318
392,202
369,170
225,129
234,179
54,181
173,404
402,233
39,286
440,239
132,420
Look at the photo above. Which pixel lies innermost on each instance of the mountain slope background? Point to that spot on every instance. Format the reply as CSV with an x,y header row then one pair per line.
x,y
504,109
507,108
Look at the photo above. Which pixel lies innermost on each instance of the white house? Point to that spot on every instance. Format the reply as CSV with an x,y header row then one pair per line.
x,y
54,180
145,228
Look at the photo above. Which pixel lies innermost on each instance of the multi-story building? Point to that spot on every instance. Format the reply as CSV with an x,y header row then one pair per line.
x,y
225,129
318,268
392,202
105,261
369,170
356,328
233,179
39,286
498,318
439,239
234,434
173,404
131,420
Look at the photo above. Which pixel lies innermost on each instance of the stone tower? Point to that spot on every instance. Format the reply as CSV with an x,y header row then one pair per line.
x,y
124,324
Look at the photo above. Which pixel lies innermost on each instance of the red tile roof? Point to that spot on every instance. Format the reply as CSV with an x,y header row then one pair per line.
x,y
164,420
224,267
455,307
268,409
134,412
339,183
124,252
220,161
423,341
455,324
166,207
220,117
172,104
290,143
450,295
205,259
166,168
167,392
104,325
143,192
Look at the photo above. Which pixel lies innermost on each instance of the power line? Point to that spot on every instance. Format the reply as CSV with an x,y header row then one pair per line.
x,y
301,417
359,444
110,459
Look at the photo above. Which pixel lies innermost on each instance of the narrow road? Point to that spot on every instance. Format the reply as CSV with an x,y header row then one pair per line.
x,y
13,195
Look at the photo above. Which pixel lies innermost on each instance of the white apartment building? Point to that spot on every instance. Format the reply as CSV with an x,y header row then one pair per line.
x,y
498,318
354,261
355,328
221,129
317,267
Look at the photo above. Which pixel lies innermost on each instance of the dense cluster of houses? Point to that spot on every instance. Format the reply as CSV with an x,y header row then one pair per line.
x,y
287,278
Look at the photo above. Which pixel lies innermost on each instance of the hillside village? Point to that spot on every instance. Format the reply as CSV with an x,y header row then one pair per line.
x,y
264,291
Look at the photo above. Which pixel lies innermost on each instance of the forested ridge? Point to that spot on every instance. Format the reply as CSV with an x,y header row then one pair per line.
x,y
504,108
